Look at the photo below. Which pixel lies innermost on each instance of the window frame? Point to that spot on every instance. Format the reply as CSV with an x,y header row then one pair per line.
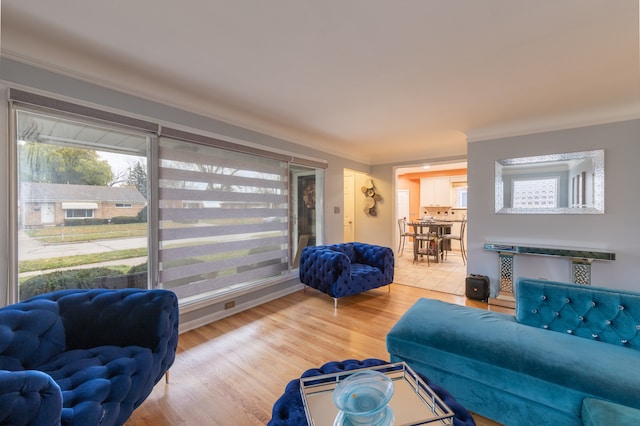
x,y
459,188
84,216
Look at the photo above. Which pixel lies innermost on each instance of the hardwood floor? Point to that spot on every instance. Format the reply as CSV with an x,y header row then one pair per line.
x,y
231,372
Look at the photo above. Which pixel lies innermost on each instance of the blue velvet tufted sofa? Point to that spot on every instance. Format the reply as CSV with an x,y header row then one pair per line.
x,y
348,268
84,357
566,347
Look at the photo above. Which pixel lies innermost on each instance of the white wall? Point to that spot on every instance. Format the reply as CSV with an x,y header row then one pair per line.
x,y
372,229
617,230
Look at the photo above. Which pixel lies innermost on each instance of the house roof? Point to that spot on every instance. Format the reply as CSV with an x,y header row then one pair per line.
x,y
377,81
53,192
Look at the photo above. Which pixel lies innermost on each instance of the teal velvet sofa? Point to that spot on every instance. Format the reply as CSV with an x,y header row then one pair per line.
x,y
567,343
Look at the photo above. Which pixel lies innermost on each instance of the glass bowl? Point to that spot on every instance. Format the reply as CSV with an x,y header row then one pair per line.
x,y
363,397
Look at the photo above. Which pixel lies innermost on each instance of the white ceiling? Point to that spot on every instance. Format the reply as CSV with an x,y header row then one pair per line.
x,y
379,81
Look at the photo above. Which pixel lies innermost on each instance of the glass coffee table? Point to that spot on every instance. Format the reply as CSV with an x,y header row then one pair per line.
x,y
289,409
413,401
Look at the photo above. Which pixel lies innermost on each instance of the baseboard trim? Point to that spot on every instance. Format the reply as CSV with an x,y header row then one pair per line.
x,y
223,313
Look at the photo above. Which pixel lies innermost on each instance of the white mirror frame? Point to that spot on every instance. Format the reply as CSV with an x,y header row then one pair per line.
x,y
597,206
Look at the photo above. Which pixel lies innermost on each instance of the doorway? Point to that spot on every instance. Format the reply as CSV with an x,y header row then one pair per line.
x,y
349,206
48,214
402,209
413,202
304,220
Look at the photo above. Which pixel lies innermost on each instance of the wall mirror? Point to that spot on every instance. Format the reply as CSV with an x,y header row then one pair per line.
x,y
569,183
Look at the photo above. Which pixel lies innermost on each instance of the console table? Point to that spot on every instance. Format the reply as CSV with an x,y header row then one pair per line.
x,y
581,260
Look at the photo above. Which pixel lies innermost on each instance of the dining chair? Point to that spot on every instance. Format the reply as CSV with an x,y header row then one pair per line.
x,y
458,237
402,227
427,244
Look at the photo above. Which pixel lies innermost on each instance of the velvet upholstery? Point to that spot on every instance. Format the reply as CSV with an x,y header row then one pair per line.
x,y
288,410
601,314
543,367
29,398
344,269
596,412
84,357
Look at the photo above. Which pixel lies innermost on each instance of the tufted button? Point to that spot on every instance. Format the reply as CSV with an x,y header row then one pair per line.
x,y
567,300
570,331
621,307
557,314
593,303
624,341
535,311
545,326
581,318
543,297
638,327
595,336
608,322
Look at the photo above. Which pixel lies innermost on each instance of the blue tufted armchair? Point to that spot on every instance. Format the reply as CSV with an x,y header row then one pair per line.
x,y
348,268
84,357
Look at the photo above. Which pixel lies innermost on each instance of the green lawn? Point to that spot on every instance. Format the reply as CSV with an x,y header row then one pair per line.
x,y
70,234
83,259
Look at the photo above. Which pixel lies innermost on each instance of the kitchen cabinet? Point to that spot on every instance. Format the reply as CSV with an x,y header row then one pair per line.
x,y
435,192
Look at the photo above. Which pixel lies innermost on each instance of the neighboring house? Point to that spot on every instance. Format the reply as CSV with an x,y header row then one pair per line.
x,y
50,204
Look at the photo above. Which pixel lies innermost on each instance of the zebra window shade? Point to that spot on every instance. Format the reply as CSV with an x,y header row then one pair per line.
x,y
223,217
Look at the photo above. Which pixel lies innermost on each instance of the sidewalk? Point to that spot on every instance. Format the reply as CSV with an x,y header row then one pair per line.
x,y
30,248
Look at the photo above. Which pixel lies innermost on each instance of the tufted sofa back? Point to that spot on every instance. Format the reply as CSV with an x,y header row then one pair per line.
x,y
367,254
94,317
30,334
596,313
126,317
346,248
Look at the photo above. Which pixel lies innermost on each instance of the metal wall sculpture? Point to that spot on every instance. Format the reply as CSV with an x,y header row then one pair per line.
x,y
371,199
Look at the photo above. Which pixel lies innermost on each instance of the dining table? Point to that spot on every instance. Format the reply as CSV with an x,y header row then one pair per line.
x,y
428,239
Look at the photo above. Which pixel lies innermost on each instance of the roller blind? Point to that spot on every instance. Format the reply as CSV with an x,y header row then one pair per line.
x,y
223,217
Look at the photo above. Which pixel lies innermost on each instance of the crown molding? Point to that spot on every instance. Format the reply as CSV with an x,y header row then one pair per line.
x,y
593,117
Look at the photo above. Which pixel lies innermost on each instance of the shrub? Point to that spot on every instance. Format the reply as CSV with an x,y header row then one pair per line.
x,y
84,222
60,280
142,215
138,268
124,219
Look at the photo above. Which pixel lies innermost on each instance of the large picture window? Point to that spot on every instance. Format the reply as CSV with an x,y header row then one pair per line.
x,y
71,176
105,200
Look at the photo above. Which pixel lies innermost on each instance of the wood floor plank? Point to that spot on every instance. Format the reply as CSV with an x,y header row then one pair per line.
x,y
230,372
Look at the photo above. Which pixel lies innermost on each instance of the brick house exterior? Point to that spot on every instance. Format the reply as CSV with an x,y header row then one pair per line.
x,y
50,204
